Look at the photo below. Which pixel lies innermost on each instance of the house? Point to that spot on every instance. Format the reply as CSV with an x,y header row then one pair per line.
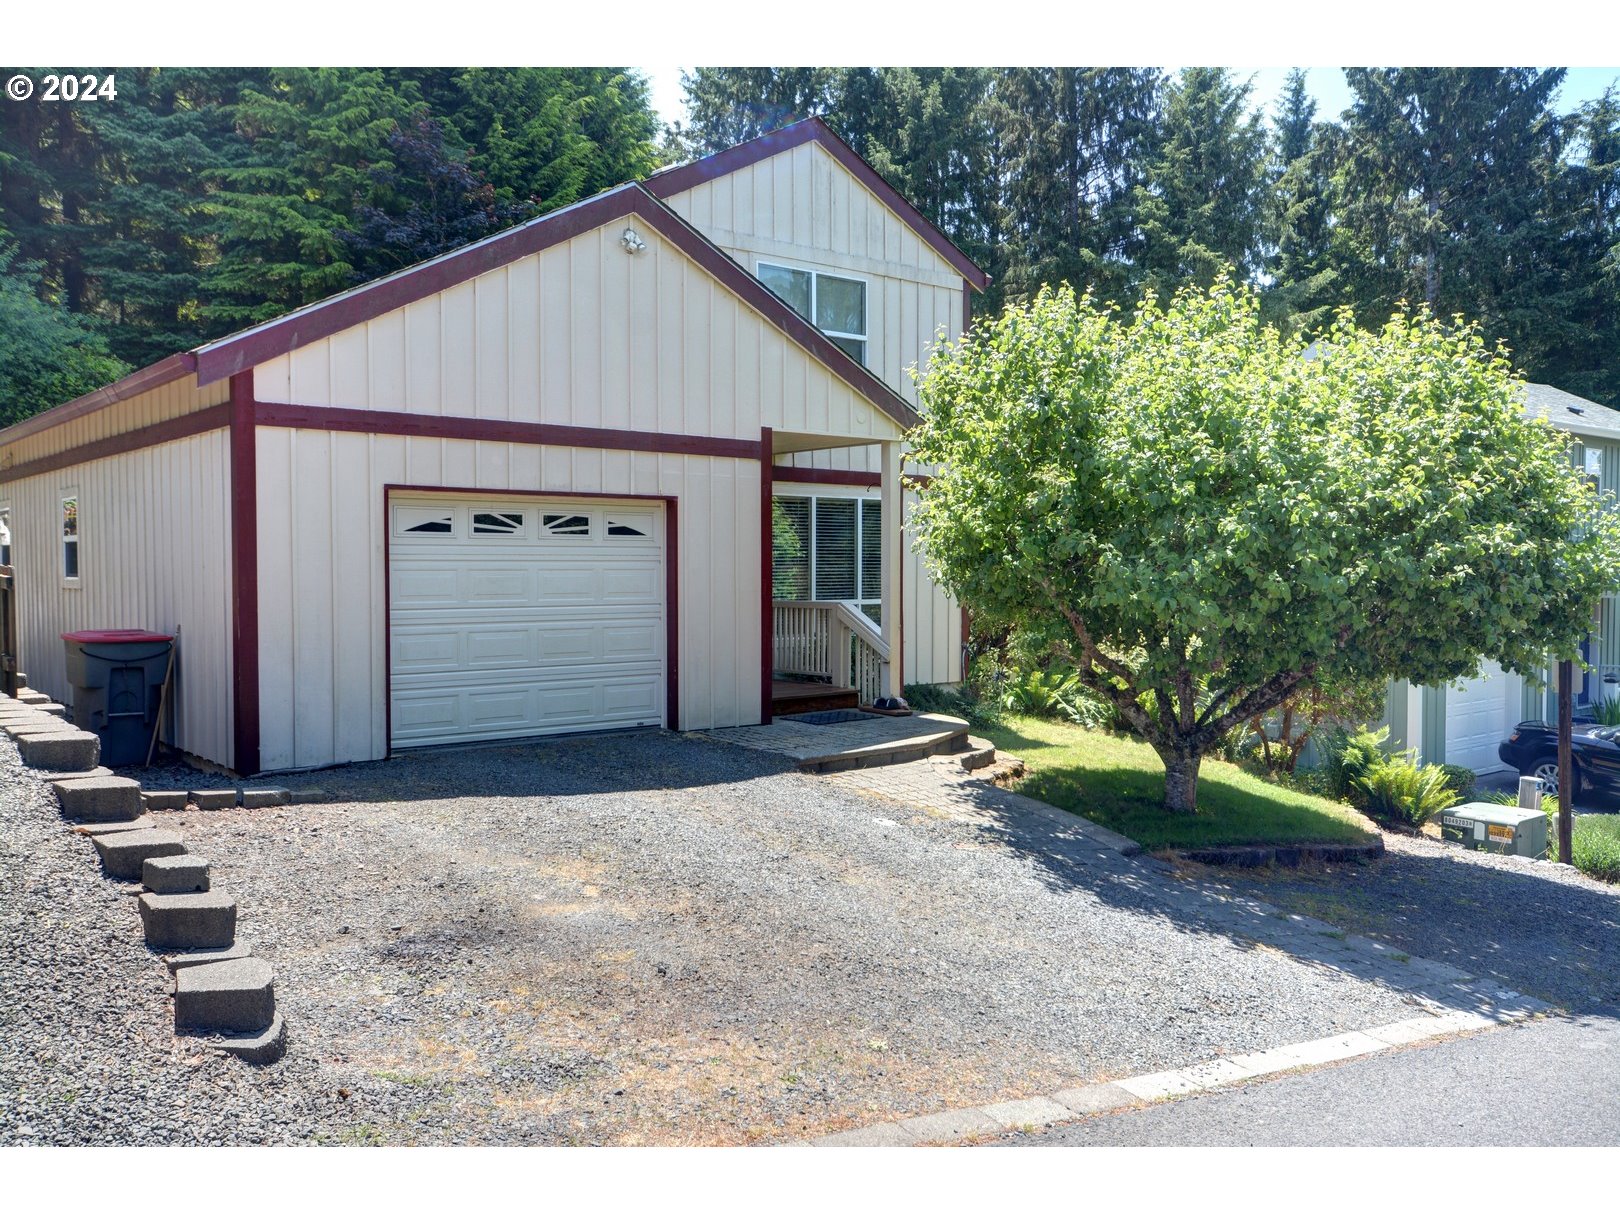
x,y
528,487
1465,722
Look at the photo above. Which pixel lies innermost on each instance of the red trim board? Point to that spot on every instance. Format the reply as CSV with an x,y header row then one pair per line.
x,y
215,417
244,577
164,371
767,561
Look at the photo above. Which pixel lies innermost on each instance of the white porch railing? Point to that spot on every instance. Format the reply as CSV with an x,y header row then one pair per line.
x,y
832,640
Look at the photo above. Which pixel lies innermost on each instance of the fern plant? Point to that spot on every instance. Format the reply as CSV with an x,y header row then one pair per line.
x,y
1399,791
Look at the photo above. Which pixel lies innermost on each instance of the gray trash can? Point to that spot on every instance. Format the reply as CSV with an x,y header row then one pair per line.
x,y
117,678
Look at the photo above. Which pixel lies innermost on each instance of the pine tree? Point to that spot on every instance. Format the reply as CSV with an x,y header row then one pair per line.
x,y
1200,208
316,137
1447,195
1300,292
1071,145
727,106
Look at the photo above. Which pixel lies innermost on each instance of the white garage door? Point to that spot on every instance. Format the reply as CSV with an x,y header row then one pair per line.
x,y
515,618
1477,719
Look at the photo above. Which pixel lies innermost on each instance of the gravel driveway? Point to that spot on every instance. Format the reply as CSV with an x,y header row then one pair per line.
x,y
624,939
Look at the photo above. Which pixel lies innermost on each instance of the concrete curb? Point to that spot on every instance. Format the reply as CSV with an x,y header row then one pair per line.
x,y
1289,856
1071,1105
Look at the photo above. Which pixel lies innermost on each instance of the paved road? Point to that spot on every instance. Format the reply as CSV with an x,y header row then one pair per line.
x,y
1554,1082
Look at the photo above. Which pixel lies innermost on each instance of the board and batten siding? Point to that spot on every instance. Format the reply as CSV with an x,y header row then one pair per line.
x,y
154,553
322,561
583,334
160,404
802,208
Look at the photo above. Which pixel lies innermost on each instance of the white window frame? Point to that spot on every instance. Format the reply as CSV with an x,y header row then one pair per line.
x,y
70,494
816,275
863,601
11,532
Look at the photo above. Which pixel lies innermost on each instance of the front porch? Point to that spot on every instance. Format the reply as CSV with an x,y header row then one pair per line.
x,y
832,576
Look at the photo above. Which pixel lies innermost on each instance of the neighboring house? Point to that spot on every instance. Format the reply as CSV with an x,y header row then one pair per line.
x,y
527,487
1464,723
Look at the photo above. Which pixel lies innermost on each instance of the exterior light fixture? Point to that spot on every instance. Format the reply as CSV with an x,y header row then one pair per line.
x,y
632,242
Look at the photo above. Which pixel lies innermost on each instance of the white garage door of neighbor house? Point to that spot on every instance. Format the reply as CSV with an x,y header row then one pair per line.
x,y
510,618
1477,720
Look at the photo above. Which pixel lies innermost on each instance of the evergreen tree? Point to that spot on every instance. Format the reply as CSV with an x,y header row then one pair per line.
x,y
727,106
1447,195
1587,362
1300,291
316,137
545,137
47,355
1200,208
1071,146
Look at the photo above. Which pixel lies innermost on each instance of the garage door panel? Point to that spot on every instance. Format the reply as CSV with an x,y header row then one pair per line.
x,y
1478,716
527,632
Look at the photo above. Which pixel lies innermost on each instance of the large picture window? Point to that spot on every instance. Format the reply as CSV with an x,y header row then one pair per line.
x,y
828,548
833,304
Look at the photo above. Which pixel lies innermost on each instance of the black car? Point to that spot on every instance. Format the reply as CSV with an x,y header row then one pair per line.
x,y
1532,748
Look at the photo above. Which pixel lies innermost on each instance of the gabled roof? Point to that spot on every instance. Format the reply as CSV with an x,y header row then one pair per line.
x,y
1569,412
815,130
260,343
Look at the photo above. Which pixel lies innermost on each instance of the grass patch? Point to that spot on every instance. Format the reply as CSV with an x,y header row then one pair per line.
x,y
1119,784
1594,845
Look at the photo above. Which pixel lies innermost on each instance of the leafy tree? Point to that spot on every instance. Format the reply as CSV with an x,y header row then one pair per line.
x,y
1210,521
47,355
1301,715
428,201
1200,207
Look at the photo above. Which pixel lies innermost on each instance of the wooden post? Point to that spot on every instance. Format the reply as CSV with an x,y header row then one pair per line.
x,y
1566,760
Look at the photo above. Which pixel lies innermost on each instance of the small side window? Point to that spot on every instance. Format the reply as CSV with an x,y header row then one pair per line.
x,y
70,538
5,535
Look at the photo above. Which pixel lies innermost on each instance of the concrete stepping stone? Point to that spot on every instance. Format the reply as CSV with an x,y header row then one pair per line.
x,y
55,710
980,754
213,799
28,696
53,777
145,823
99,799
265,1047
164,799
189,921
200,957
234,997
185,874
257,799
124,852
33,725
65,750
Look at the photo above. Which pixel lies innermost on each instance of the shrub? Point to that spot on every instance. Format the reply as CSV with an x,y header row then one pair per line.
x,y
1348,755
1595,847
1606,712
1462,780
956,702
1398,791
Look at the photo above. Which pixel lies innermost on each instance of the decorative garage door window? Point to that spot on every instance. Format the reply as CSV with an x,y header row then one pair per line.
x,y
424,521
828,548
497,523
563,526
629,527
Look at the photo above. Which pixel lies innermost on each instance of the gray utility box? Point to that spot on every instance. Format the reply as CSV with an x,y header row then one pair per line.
x,y
1492,828
117,679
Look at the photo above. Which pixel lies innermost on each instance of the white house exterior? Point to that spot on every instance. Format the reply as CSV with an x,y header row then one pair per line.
x,y
1464,723
524,488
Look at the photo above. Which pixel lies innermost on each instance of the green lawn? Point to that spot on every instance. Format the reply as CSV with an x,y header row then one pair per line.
x,y
1596,845
1119,782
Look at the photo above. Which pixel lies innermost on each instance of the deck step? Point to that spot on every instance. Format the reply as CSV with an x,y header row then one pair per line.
x,y
948,738
979,754
792,696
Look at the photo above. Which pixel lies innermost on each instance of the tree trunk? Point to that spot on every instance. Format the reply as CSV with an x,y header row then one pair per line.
x,y
1180,779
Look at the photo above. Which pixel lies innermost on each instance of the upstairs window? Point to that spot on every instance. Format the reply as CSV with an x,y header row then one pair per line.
x,y
70,538
833,304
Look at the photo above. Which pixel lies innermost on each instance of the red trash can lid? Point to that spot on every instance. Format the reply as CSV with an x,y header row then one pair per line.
x,y
115,636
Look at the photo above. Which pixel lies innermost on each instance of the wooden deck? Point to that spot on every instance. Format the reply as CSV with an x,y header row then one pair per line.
x,y
807,696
